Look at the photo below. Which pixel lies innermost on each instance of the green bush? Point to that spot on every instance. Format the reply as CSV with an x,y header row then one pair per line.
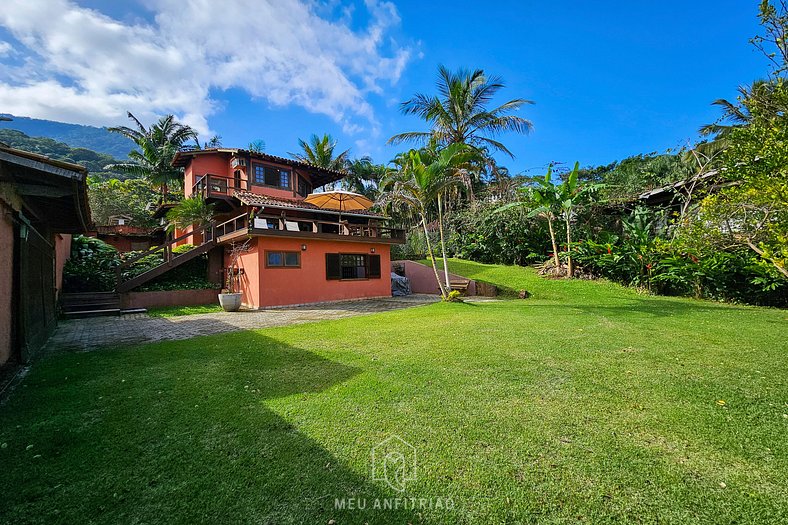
x,y
191,275
481,234
664,268
93,264
91,267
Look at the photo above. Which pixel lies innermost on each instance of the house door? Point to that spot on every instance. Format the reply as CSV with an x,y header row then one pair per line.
x,y
36,317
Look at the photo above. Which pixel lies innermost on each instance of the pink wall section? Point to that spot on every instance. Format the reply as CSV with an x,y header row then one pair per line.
x,y
264,287
280,286
6,283
250,280
62,254
422,278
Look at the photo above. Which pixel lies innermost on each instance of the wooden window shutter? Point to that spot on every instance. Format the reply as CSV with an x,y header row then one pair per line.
x,y
374,266
333,266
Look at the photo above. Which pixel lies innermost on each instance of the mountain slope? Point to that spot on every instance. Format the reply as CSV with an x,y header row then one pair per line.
x,y
75,135
92,160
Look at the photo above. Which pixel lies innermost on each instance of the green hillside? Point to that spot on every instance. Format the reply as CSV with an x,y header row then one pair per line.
x,y
92,160
75,135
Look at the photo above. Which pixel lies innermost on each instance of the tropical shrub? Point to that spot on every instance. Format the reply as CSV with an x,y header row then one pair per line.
x,y
480,233
666,268
191,275
91,267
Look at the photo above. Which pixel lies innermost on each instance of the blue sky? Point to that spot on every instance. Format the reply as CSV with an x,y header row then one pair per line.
x,y
609,79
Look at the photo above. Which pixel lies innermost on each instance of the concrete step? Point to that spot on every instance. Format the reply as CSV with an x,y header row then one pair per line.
x,y
81,314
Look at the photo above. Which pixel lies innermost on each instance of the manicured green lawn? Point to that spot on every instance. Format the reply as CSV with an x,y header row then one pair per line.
x,y
587,403
175,311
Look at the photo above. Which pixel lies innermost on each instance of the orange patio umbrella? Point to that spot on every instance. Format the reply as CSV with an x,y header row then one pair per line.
x,y
339,200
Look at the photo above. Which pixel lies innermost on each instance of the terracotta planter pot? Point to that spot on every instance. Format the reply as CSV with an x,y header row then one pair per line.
x,y
231,302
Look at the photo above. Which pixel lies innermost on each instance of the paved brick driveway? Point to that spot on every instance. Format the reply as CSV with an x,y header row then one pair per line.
x,y
86,334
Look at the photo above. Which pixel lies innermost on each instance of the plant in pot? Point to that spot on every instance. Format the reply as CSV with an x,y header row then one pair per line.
x,y
230,298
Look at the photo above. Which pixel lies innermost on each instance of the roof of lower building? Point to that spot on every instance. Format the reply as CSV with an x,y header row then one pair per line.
x,y
255,199
53,192
320,176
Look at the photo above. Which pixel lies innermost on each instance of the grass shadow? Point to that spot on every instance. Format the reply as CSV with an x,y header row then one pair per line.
x,y
178,433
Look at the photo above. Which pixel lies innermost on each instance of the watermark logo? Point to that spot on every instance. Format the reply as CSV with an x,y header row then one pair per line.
x,y
394,462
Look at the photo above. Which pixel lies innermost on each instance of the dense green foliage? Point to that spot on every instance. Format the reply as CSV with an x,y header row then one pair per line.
x,y
628,178
752,211
131,197
75,135
94,162
93,263
91,267
587,403
483,233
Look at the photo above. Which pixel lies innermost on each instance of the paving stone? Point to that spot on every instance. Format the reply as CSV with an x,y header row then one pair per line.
x,y
98,332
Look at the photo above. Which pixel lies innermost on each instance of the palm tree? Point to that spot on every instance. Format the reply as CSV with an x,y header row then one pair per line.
x,y
157,148
571,194
737,114
192,211
460,114
319,151
363,176
423,178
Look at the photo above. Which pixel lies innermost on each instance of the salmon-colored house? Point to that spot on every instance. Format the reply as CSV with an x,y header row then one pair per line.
x,y
297,253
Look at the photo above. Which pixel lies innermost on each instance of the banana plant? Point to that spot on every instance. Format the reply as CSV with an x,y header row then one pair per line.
x,y
569,195
551,201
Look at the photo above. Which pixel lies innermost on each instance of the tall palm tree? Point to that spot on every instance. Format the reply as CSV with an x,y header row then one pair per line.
x,y
320,152
157,148
363,176
737,114
459,114
421,180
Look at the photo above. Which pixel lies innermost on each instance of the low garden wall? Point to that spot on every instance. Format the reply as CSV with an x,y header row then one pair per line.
x,y
168,298
422,279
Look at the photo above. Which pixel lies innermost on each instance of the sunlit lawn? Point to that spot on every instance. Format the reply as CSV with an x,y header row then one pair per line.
x,y
587,403
175,311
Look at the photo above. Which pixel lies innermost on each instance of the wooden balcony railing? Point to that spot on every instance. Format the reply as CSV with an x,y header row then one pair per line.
x,y
214,186
299,226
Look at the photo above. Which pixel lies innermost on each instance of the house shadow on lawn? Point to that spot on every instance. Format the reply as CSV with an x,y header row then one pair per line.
x,y
180,433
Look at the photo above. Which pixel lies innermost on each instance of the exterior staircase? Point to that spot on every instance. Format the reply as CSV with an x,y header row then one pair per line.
x,y
170,260
89,304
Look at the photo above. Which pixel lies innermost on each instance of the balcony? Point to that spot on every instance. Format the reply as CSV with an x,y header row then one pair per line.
x,y
306,228
213,186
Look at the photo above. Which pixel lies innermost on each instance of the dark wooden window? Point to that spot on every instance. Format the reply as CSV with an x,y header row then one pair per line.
x,y
304,188
352,266
333,266
282,259
263,175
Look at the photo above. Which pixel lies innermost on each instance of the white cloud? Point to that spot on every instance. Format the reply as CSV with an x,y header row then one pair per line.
x,y
91,69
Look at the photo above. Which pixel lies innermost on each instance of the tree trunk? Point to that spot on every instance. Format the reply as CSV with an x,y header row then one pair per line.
x,y
760,252
555,245
432,256
443,245
570,270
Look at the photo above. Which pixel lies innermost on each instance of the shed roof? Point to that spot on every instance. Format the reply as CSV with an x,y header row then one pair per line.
x,y
54,192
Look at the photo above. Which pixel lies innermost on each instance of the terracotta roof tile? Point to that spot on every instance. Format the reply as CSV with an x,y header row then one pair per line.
x,y
255,199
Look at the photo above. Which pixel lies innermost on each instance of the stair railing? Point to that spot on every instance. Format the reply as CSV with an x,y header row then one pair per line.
x,y
208,236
